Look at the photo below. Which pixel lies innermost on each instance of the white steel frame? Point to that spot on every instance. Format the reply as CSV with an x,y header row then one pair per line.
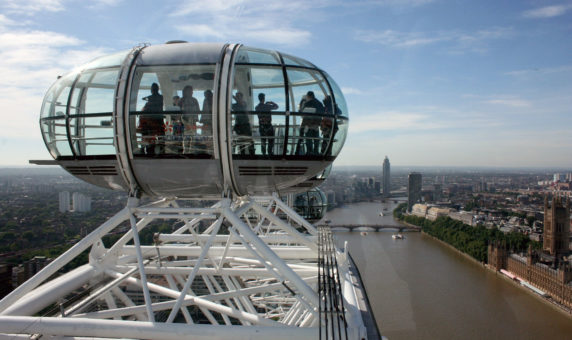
x,y
244,268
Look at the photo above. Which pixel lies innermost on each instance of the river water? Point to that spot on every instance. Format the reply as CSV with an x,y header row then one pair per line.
x,y
421,289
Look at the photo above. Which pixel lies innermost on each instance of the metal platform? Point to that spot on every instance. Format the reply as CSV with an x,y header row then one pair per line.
x,y
242,269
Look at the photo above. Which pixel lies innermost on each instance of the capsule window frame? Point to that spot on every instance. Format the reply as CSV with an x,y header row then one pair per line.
x,y
135,112
80,145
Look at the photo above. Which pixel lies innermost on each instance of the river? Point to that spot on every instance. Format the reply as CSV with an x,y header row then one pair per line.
x,y
421,289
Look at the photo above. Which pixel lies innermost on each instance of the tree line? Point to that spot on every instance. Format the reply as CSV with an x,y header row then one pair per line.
x,y
470,240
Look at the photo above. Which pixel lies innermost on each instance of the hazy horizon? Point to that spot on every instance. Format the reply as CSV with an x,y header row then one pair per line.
x,y
394,168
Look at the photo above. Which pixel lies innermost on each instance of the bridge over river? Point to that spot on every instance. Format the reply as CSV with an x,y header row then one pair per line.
x,y
376,227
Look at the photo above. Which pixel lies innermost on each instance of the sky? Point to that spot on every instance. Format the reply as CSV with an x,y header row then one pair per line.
x,y
427,82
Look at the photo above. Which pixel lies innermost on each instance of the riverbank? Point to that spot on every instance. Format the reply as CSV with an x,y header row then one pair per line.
x,y
463,254
421,290
547,300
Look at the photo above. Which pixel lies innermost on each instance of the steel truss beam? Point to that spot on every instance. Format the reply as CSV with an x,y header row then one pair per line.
x,y
240,268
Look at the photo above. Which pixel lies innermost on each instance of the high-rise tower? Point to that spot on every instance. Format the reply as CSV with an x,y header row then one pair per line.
x,y
556,226
413,189
64,200
386,178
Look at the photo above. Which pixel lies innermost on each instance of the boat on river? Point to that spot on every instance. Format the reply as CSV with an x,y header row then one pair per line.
x,y
398,237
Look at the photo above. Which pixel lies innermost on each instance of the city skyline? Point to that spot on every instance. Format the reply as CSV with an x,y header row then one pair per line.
x,y
428,82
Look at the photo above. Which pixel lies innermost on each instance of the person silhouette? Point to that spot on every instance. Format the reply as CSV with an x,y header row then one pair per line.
x,y
265,124
190,112
311,123
242,124
151,124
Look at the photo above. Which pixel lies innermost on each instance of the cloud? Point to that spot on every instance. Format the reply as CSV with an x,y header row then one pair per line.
x,y
509,102
273,21
284,36
455,40
540,71
5,21
269,21
31,62
394,120
547,12
502,100
31,7
351,90
398,39
102,4
403,3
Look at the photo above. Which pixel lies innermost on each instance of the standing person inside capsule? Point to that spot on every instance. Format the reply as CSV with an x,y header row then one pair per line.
x,y
190,113
207,121
311,123
207,113
242,125
265,123
150,123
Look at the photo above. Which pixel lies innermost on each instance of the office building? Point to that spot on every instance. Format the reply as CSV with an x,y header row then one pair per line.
x,y
64,198
81,203
386,178
413,189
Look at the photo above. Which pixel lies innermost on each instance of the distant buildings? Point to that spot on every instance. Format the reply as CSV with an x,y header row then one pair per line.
x,y
413,189
22,272
548,272
386,178
331,195
64,198
81,203
437,192
5,279
560,177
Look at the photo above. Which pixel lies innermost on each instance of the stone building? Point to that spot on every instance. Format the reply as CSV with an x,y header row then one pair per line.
x,y
556,282
556,227
548,271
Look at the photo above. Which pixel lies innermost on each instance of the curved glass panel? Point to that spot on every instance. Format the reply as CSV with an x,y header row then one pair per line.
x,y
308,133
339,136
53,116
340,102
295,61
115,59
258,111
91,110
247,55
166,116
325,174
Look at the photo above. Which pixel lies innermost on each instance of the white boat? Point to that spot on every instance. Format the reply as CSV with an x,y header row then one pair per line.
x,y
381,214
397,237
